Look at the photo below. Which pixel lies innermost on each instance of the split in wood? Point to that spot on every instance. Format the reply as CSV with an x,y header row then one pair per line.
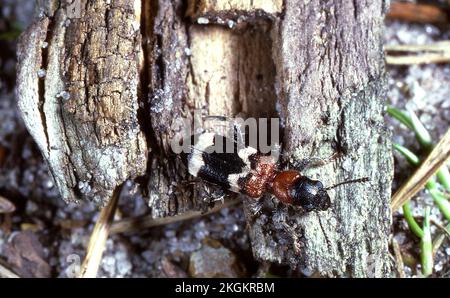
x,y
141,223
438,52
427,169
420,13
99,235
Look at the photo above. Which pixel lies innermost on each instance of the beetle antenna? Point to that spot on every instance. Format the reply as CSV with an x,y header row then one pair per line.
x,y
365,179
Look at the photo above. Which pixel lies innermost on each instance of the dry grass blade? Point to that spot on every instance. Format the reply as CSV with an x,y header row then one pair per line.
x,y
7,273
438,52
140,223
439,239
398,258
97,242
428,168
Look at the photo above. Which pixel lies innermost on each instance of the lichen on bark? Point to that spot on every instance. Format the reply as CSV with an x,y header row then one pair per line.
x,y
121,78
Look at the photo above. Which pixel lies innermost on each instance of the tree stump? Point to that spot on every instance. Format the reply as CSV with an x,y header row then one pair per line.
x,y
103,86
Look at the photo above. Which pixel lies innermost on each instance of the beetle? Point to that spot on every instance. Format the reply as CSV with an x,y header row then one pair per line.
x,y
244,170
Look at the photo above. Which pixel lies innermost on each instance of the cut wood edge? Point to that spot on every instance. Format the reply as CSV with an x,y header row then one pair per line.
x,y
437,158
97,242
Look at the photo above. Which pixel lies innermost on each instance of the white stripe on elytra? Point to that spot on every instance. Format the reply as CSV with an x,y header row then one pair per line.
x,y
233,179
245,153
196,160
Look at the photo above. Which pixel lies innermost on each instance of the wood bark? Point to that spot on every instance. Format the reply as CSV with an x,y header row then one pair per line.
x,y
135,70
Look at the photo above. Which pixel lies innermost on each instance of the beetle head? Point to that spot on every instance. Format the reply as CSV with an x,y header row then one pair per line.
x,y
310,194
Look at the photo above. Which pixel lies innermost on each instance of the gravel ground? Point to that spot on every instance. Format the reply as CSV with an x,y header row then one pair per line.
x,y
62,231
425,90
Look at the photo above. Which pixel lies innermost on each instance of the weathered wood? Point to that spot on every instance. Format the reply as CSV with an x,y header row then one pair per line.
x,y
83,112
318,66
330,84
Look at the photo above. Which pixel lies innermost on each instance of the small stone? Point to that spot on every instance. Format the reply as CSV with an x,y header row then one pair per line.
x,y
64,95
41,73
171,270
122,263
31,207
306,271
438,267
214,260
26,255
202,21
80,184
6,206
170,233
109,265
400,238
48,183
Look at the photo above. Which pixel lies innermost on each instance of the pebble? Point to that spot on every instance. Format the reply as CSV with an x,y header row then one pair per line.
x,y
214,260
202,21
41,73
188,52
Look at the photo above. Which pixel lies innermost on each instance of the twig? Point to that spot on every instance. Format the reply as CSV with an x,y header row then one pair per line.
x,y
97,242
438,52
140,223
428,168
7,273
398,258
419,13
